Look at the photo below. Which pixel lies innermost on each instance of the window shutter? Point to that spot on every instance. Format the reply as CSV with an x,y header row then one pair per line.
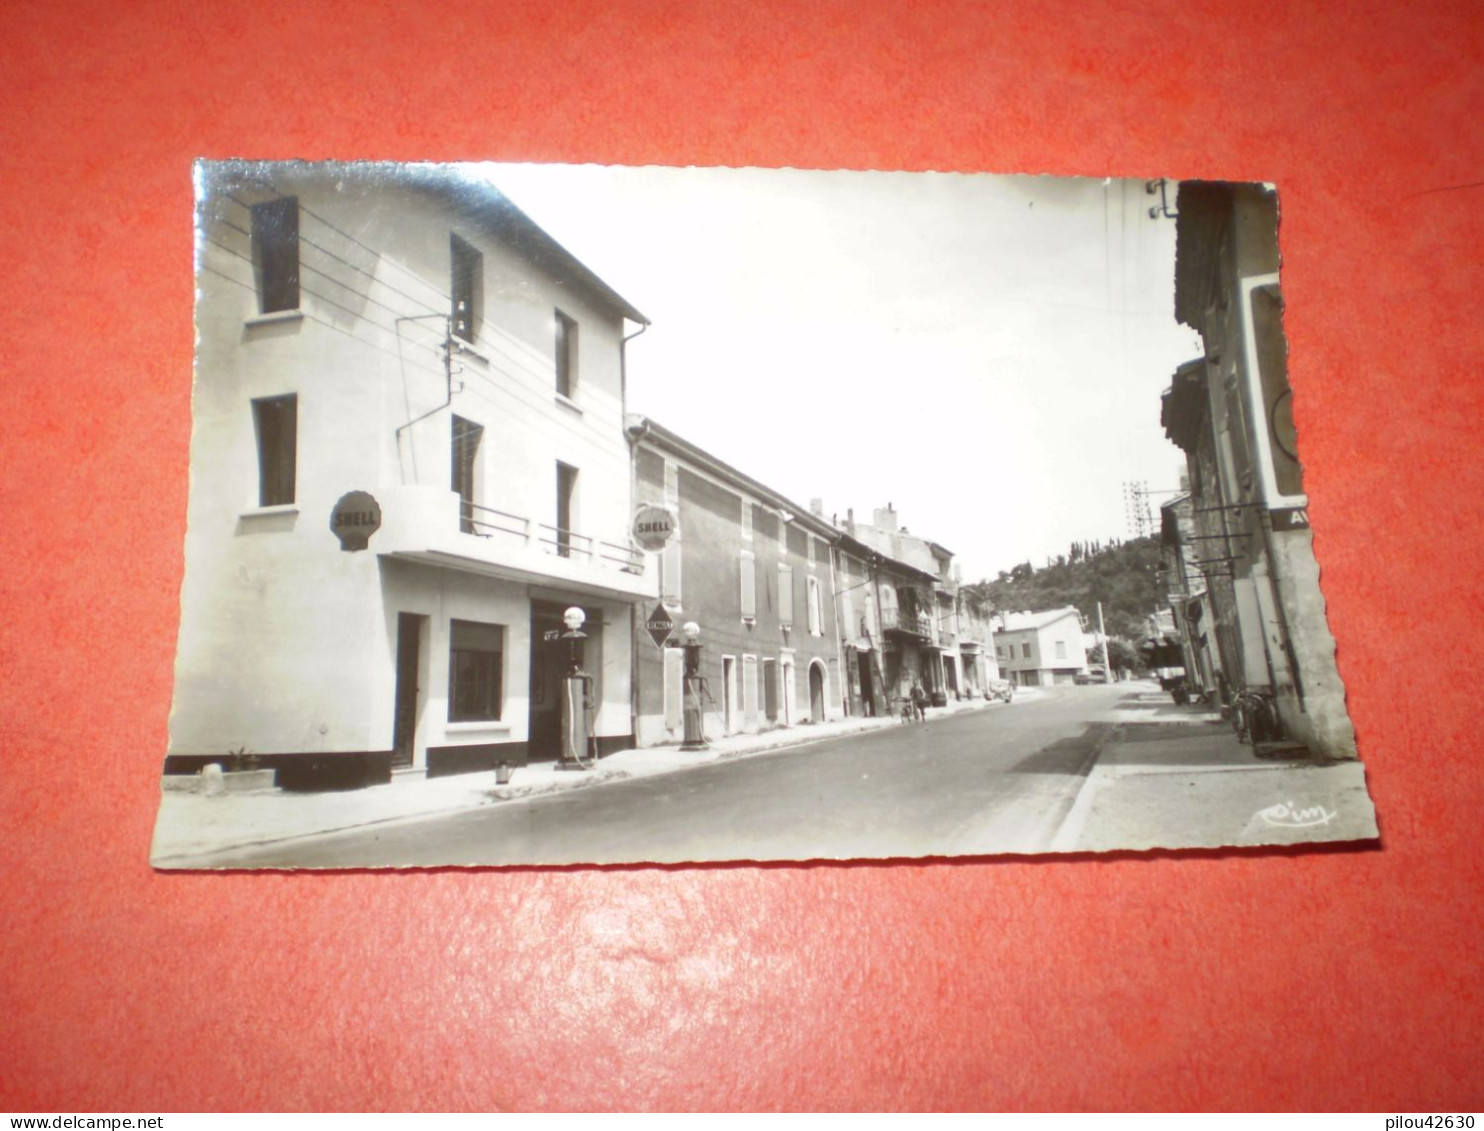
x,y
749,586
275,233
786,595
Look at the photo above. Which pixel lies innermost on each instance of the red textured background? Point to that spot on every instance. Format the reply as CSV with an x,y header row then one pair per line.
x,y
1321,980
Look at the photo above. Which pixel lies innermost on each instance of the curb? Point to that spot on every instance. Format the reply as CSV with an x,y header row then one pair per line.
x,y
182,861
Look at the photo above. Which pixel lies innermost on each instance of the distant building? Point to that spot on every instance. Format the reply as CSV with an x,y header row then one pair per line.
x,y
755,572
407,461
1042,648
1230,412
976,644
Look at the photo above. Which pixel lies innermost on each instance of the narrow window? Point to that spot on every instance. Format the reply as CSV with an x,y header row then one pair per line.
x,y
467,288
566,503
475,663
749,586
816,612
276,420
1025,651
1061,649
566,355
786,596
275,241
466,438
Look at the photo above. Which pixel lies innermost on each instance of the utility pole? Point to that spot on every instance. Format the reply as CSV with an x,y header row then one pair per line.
x,y
1103,633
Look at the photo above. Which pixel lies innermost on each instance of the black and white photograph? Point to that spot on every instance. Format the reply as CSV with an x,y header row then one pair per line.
x,y
559,515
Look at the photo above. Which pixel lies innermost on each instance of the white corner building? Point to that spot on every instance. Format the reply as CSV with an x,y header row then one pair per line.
x,y
408,460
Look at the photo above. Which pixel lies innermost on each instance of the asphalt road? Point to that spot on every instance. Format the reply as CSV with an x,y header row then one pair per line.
x,y
997,780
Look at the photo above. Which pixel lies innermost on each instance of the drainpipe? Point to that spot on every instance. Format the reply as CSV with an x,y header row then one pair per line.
x,y
635,436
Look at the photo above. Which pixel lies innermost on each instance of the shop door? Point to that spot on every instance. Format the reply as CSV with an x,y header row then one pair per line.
x,y
409,663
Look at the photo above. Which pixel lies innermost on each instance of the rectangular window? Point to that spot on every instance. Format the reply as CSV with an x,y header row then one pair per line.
x,y
816,611
1025,651
466,286
276,420
475,668
1061,649
848,627
466,438
566,507
566,355
275,246
786,596
749,586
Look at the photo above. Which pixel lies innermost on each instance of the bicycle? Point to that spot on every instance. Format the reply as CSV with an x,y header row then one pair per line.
x,y
1255,717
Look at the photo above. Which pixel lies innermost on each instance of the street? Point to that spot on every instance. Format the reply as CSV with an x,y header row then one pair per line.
x,y
1001,779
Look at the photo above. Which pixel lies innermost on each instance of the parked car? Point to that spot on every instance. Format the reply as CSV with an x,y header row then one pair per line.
x,y
1000,689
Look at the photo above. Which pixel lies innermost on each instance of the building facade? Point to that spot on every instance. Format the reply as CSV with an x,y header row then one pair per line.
x,y
1041,649
1194,614
905,585
756,573
408,459
1230,412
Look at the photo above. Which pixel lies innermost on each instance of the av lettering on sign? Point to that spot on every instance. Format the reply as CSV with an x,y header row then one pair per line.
x,y
660,625
354,518
655,527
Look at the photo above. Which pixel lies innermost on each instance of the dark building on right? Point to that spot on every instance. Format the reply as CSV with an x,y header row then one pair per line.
x,y
1248,593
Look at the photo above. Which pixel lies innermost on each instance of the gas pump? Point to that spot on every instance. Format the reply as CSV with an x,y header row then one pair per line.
x,y
577,698
694,684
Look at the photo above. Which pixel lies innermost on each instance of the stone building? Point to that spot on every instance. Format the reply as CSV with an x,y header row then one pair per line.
x,y
1231,412
755,572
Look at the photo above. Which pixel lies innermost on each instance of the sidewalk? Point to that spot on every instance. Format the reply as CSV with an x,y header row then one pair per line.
x,y
1176,777
190,825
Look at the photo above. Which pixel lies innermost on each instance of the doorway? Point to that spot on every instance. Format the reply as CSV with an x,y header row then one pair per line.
x,y
549,663
728,695
407,704
816,692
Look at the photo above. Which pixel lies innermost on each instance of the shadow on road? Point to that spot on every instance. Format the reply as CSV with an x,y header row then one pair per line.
x,y
1074,756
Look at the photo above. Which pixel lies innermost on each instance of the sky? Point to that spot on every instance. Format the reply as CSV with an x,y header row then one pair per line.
x,y
984,353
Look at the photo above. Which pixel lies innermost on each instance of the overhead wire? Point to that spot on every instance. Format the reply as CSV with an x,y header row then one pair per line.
x,y
515,370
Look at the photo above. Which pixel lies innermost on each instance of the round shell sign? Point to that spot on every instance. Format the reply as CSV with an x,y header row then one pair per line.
x,y
655,527
354,518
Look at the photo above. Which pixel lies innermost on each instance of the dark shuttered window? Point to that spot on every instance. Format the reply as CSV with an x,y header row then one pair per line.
x,y
566,355
467,287
276,420
466,438
275,240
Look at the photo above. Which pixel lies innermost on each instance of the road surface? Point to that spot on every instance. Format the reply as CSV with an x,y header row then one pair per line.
x,y
996,780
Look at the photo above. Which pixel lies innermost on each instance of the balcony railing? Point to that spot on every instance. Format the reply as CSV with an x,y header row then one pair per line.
x,y
487,522
913,624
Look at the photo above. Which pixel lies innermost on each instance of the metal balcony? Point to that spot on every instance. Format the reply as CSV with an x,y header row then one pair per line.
x,y
907,624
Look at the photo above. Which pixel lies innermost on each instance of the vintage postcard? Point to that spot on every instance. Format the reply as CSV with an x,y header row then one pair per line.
x,y
553,515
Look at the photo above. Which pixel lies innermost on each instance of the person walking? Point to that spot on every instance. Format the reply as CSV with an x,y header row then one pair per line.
x,y
919,701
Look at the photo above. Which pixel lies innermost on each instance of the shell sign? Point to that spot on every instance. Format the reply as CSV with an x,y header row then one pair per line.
x,y
354,518
655,527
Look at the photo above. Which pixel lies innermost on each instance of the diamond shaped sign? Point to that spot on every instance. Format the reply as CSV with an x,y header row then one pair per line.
x,y
659,625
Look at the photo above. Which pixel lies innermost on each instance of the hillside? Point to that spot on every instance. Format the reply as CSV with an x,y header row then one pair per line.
x,y
1121,575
